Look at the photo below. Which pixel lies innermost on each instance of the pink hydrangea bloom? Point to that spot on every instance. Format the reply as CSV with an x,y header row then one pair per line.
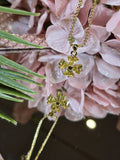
x,y
96,90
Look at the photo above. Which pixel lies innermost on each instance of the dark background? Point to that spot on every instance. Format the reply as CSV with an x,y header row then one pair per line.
x,y
69,140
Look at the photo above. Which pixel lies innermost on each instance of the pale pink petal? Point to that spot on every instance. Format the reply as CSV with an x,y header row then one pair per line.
x,y
51,88
114,43
114,102
66,23
101,81
84,12
41,22
87,63
94,108
114,93
55,74
51,58
60,6
73,116
57,35
78,31
102,15
32,19
76,100
79,82
72,6
100,100
92,46
108,70
15,3
110,55
56,38
112,110
54,19
76,103
113,22
100,32
50,4
111,2
116,31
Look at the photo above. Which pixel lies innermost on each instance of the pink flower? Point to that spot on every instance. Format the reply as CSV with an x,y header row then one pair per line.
x,y
57,35
96,90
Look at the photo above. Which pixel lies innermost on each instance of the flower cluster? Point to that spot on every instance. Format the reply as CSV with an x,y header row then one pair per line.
x,y
96,90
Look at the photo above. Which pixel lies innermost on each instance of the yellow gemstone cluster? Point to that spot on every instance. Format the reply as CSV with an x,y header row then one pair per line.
x,y
70,66
59,101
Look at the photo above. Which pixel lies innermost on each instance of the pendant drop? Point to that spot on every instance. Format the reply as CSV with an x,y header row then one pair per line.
x,y
71,67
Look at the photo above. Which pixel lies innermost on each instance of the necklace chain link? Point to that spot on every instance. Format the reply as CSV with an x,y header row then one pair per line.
x,y
88,29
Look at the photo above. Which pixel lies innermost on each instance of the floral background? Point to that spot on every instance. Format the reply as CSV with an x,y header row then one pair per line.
x,y
95,92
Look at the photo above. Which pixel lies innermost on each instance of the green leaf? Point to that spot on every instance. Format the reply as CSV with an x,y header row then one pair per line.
x,y
4,96
13,84
17,11
12,37
15,73
13,92
12,76
7,118
8,62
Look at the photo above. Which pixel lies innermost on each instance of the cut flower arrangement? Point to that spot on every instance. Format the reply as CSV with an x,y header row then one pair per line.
x,y
82,59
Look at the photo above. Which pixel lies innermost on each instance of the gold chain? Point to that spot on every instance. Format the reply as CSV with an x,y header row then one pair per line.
x,y
71,67
89,24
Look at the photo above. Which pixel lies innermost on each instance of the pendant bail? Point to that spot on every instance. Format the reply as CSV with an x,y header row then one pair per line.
x,y
74,51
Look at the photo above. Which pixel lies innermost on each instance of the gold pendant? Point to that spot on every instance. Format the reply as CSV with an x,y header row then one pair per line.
x,y
71,67
56,102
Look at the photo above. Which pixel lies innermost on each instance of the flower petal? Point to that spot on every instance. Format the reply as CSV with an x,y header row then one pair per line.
x,y
100,32
101,11
108,70
56,38
113,22
79,82
111,2
92,46
110,55
98,99
101,81
94,108
114,102
55,74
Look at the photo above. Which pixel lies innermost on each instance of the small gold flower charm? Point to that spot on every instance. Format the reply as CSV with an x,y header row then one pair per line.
x,y
57,102
70,66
